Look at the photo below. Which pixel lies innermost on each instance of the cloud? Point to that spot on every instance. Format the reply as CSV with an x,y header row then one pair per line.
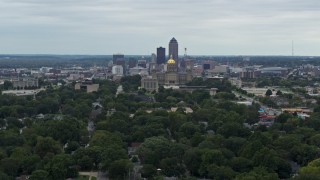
x,y
138,27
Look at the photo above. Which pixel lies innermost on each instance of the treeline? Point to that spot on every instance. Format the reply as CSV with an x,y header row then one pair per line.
x,y
56,61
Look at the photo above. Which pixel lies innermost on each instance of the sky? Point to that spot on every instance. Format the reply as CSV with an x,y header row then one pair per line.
x,y
138,27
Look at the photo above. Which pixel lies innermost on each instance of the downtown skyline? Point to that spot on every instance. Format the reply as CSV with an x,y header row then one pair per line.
x,y
207,27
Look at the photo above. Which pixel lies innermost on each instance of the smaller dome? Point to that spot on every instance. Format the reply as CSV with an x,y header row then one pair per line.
x,y
171,61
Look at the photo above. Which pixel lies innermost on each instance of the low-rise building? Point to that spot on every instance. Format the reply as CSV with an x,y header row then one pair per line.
x,y
87,87
149,83
25,82
138,71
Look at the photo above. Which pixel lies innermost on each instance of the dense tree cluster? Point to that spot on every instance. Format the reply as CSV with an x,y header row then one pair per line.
x,y
47,137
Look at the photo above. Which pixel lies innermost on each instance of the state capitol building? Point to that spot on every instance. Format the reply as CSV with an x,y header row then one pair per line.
x,y
172,73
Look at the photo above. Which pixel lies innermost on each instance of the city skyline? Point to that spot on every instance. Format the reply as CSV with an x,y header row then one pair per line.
x,y
207,27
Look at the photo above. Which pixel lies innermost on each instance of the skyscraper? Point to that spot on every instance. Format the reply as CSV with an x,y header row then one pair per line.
x,y
173,50
117,57
132,62
153,58
161,55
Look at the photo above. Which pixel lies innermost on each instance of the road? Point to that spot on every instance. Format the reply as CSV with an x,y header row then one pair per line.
x,y
272,111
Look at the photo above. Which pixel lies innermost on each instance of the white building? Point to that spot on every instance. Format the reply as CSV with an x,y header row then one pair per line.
x,y
45,69
138,70
117,70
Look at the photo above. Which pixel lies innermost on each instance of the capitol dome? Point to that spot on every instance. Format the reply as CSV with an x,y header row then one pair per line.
x,y
171,61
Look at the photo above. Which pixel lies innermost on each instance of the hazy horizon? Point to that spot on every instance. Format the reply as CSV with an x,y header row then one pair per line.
x,y
206,27
149,55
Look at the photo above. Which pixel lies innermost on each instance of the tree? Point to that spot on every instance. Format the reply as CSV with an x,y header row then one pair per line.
x,y
154,149
176,120
312,168
14,123
212,156
304,153
30,163
4,176
282,118
220,172
192,160
148,171
315,140
113,125
196,139
61,166
287,142
279,93
233,129
10,166
105,138
10,138
39,175
3,123
269,92
130,83
199,96
65,130
120,169
172,167
85,163
250,148
188,129
111,154
241,164
7,85
270,159
314,121
257,173
45,145
71,147
93,152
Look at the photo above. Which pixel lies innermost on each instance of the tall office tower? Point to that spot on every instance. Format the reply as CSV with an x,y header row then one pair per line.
x,y
117,57
122,63
153,58
161,55
132,62
173,50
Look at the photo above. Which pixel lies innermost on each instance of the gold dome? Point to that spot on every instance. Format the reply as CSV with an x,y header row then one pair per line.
x,y
171,61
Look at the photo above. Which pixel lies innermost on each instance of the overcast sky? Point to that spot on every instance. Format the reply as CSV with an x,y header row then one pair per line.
x,y
204,27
